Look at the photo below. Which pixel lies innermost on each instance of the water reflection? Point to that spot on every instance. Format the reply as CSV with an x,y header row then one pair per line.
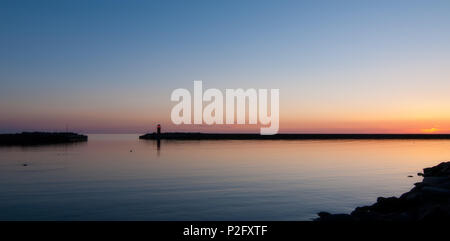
x,y
38,146
158,146
206,180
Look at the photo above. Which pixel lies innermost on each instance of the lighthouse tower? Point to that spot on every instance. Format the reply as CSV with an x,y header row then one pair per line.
x,y
158,129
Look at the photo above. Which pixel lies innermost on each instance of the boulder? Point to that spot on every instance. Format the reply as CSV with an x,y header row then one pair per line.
x,y
429,200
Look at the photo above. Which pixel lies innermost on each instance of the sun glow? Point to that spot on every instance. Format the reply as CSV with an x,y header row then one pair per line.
x,y
430,130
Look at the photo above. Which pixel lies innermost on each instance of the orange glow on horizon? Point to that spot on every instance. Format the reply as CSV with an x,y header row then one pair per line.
x,y
430,130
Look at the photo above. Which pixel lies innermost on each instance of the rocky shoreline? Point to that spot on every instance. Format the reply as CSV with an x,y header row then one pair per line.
x,y
429,200
286,136
40,138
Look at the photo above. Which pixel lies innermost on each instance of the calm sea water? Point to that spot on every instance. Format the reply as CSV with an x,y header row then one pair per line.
x,y
206,180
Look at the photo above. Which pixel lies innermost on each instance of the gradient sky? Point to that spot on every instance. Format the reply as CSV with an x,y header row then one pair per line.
x,y
110,66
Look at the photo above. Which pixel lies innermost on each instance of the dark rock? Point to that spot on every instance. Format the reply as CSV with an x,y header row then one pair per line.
x,y
323,214
429,200
440,170
337,218
434,213
412,196
434,180
40,138
282,136
437,191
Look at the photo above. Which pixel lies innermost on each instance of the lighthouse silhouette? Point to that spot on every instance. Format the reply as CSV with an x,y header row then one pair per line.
x,y
158,129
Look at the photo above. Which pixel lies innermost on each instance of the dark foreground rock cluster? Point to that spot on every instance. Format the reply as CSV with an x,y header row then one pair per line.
x,y
429,200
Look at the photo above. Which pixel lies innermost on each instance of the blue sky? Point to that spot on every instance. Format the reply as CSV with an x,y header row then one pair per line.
x,y
110,66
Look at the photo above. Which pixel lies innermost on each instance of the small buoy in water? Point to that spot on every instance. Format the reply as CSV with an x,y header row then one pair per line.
x,y
24,164
131,150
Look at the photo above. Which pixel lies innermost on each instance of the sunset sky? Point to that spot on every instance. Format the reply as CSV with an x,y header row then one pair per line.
x,y
110,66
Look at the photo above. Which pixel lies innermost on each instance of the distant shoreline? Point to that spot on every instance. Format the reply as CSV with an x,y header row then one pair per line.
x,y
245,136
40,138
